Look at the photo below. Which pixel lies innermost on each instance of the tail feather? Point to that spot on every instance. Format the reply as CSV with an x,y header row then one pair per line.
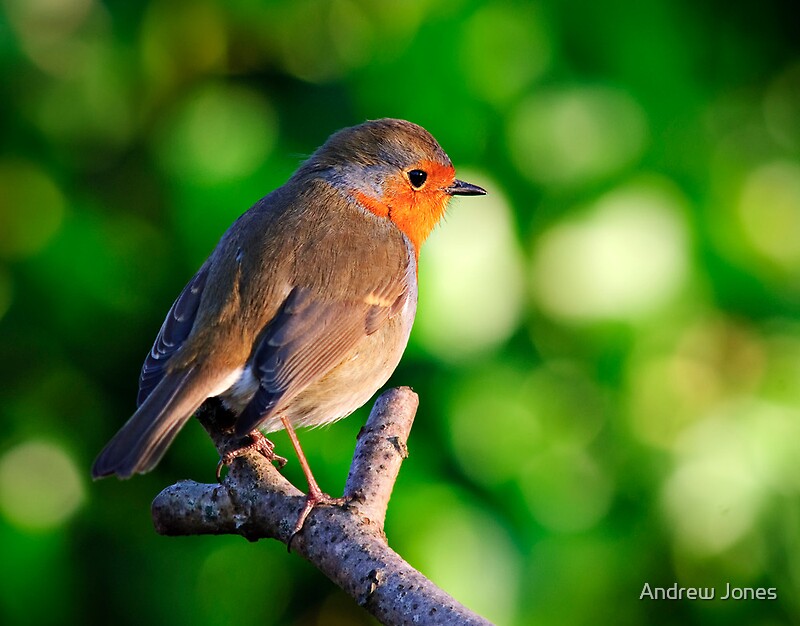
x,y
145,437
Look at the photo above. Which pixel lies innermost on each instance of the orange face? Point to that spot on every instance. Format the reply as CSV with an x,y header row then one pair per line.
x,y
414,199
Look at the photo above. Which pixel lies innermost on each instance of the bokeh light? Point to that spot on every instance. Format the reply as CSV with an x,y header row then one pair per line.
x,y
525,414
714,496
40,487
471,278
47,29
782,107
505,35
180,39
625,257
497,400
319,41
676,380
218,134
454,539
769,207
575,136
566,490
31,209
89,113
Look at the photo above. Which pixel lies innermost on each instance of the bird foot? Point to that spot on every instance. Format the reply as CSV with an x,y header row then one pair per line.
x,y
314,498
258,443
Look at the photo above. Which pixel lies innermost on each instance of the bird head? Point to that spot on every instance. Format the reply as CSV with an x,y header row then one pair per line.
x,y
394,169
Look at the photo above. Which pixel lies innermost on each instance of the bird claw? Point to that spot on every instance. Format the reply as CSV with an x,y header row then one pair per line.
x,y
258,443
314,498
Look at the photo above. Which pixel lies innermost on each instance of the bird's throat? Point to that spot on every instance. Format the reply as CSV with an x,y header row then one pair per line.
x,y
415,214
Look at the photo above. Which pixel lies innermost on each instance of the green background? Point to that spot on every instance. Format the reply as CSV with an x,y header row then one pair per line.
x,y
606,350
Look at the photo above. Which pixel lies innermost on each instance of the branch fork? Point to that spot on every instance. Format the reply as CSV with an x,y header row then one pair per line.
x,y
347,543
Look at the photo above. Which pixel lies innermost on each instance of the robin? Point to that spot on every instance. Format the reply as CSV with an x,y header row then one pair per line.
x,y
304,308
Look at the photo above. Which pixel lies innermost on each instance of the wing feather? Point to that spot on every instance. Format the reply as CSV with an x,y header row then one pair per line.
x,y
310,336
174,331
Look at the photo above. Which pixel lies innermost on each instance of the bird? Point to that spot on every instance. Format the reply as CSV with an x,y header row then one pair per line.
x,y
304,308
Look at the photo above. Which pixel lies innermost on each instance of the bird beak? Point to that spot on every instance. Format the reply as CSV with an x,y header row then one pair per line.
x,y
460,188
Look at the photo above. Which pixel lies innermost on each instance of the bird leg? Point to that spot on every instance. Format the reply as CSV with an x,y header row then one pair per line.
x,y
315,495
258,443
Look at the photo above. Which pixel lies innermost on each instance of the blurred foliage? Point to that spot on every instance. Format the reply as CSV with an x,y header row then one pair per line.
x,y
607,348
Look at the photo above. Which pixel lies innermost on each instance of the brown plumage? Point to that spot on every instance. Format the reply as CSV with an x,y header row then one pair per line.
x,y
304,308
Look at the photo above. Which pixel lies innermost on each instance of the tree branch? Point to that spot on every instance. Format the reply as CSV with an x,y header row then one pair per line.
x,y
346,543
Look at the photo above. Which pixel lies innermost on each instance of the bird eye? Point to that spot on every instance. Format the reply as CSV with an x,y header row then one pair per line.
x,y
417,178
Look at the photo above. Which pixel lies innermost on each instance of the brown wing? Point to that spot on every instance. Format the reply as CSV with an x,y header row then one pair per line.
x,y
308,337
174,331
